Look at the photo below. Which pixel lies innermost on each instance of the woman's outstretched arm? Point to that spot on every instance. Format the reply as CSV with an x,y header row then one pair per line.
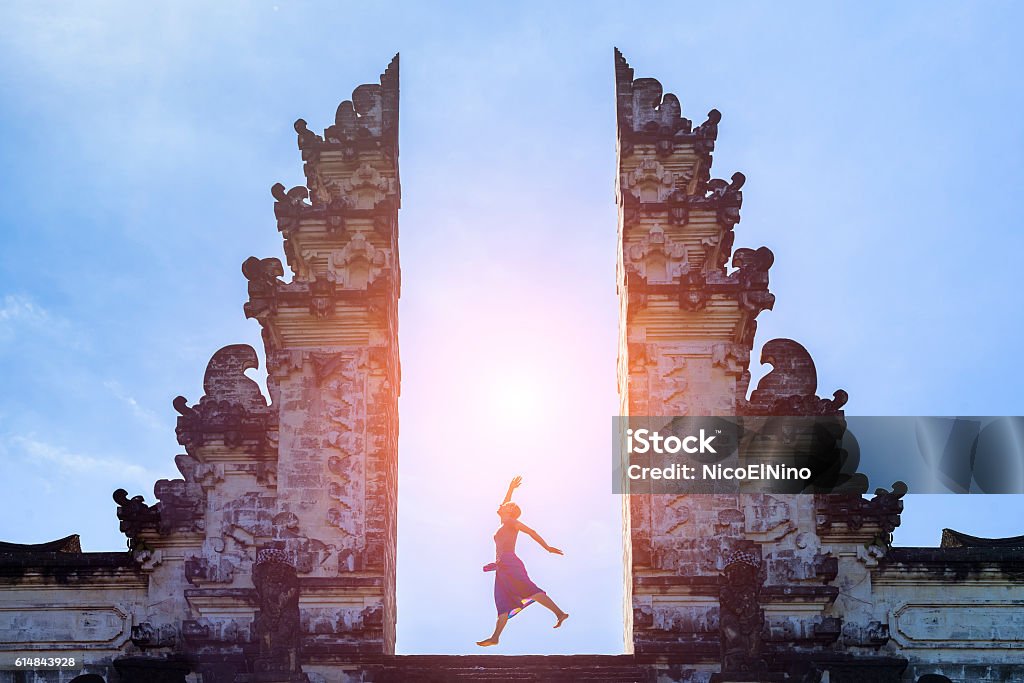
x,y
535,536
512,487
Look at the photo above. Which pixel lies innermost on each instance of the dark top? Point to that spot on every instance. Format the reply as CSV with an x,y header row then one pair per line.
x,y
505,539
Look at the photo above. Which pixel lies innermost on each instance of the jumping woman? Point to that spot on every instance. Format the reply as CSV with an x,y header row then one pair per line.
x,y
513,589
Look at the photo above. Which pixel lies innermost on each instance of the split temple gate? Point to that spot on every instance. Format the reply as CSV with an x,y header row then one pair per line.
x,y
272,558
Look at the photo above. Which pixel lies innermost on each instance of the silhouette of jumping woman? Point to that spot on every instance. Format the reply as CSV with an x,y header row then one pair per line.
x,y
513,589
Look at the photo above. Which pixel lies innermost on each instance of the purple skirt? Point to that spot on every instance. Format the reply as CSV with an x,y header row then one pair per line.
x,y
512,585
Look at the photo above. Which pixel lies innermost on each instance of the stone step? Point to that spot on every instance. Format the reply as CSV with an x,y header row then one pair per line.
x,y
576,668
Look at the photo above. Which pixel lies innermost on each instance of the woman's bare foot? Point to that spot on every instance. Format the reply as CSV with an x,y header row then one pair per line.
x,y
490,641
562,617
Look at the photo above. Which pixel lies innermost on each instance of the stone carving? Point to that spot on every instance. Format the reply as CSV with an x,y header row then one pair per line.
x,y
873,634
741,618
752,276
340,385
289,202
182,503
262,274
720,189
717,250
727,197
367,187
329,202
790,388
358,264
225,378
694,293
650,181
793,372
307,138
767,518
321,298
276,624
734,359
232,411
707,132
366,121
642,104
135,516
146,636
364,114
748,284
675,516
657,258
670,384
882,512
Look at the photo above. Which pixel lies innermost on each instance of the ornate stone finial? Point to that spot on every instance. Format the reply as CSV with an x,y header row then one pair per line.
x,y
707,132
135,515
793,372
307,138
371,113
262,273
790,388
233,410
644,107
225,378
294,197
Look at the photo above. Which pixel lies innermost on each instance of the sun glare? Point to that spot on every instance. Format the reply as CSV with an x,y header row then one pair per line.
x,y
517,396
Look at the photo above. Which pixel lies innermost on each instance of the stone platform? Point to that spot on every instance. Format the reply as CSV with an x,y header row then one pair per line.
x,y
438,668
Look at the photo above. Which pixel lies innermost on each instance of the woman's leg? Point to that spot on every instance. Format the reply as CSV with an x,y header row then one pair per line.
x,y
498,628
543,599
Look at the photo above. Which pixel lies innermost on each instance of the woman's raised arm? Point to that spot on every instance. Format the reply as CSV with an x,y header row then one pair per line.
x,y
512,487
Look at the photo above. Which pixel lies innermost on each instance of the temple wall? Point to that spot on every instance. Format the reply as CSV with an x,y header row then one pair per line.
x,y
81,606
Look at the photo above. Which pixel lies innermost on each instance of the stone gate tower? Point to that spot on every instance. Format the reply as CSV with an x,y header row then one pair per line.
x,y
331,340
274,556
717,582
686,327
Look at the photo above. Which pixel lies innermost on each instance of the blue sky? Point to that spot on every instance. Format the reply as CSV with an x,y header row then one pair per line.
x,y
882,147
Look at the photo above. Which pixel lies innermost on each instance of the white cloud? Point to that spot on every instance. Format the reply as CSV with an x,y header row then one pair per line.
x,y
21,308
21,316
19,312
144,415
60,460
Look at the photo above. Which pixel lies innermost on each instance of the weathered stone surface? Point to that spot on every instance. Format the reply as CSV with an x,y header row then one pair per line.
x,y
686,329
686,333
